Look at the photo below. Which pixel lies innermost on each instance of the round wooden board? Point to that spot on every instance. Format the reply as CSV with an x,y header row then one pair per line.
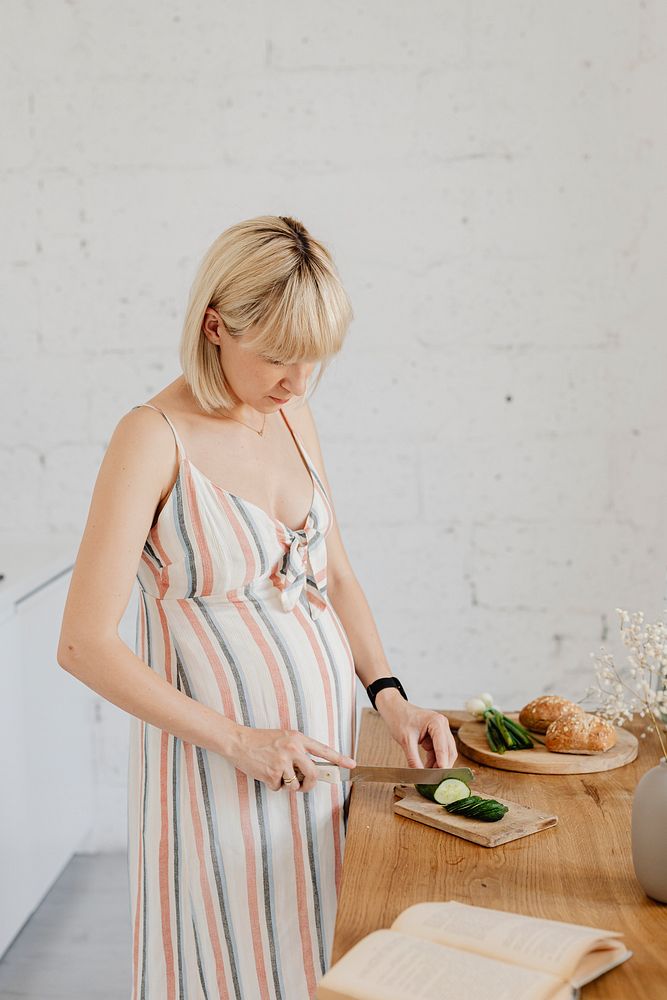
x,y
539,760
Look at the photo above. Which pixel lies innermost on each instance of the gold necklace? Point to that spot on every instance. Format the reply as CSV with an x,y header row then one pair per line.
x,y
260,432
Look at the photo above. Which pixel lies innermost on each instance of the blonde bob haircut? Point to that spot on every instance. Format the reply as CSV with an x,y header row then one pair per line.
x,y
275,285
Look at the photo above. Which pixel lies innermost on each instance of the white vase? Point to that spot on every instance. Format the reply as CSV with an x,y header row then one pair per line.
x,y
649,831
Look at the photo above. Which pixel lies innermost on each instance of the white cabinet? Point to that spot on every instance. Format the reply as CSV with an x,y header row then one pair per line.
x,y
46,752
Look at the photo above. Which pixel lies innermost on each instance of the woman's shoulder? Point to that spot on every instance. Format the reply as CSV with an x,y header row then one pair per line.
x,y
144,429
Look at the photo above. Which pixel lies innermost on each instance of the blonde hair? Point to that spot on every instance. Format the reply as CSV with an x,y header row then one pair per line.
x,y
270,273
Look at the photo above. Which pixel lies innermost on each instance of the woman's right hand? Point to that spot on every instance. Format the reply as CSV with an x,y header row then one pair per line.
x,y
270,754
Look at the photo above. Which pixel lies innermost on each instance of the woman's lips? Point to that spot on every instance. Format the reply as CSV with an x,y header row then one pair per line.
x,y
276,400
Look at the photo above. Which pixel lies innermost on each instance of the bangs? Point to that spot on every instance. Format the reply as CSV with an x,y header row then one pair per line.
x,y
305,320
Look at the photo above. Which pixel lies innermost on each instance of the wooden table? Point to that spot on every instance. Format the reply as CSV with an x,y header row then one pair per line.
x,y
578,871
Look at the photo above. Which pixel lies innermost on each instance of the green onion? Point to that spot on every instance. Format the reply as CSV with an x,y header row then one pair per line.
x,y
505,734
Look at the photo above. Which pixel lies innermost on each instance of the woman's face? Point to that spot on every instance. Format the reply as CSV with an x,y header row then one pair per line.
x,y
255,380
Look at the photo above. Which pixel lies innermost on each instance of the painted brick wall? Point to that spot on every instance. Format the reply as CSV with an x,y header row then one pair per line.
x,y
491,180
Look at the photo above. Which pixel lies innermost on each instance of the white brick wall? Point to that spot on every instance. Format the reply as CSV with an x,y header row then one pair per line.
x,y
490,179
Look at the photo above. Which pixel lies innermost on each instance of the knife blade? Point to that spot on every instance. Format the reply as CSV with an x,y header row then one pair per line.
x,y
403,775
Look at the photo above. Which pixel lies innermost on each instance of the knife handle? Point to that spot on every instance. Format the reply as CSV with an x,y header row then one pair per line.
x,y
328,772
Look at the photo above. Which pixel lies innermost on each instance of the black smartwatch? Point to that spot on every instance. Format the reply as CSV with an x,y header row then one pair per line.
x,y
384,682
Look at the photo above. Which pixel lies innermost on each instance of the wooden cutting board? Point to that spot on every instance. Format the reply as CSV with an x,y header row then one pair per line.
x,y
520,821
539,760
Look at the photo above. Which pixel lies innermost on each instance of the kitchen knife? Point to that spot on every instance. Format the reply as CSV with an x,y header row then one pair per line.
x,y
403,775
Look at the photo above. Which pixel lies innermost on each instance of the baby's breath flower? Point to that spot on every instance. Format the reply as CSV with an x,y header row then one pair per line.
x,y
643,689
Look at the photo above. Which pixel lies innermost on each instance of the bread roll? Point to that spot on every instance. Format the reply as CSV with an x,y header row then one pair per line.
x,y
540,713
580,732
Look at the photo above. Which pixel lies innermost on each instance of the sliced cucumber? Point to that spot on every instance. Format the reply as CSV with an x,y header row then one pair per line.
x,y
465,806
451,790
475,807
488,810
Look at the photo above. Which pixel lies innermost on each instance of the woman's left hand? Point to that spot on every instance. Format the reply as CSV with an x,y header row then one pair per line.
x,y
412,726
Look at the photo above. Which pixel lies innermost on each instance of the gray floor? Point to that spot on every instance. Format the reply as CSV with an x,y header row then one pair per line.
x,y
77,944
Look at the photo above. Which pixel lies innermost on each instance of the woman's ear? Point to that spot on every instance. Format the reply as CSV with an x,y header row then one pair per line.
x,y
213,326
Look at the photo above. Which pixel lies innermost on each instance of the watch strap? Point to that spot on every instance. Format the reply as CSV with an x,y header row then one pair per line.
x,y
383,682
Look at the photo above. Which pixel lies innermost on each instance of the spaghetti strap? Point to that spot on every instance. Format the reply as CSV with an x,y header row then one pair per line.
x,y
179,443
297,440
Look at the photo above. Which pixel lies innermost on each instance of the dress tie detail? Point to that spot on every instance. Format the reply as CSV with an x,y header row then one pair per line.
x,y
304,566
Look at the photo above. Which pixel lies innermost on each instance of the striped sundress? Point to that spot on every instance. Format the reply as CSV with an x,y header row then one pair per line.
x,y
234,886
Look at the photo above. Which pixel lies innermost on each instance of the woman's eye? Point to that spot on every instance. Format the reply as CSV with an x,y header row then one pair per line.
x,y
273,361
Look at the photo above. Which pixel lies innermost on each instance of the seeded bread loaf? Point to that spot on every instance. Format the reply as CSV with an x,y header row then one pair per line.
x,y
540,713
580,732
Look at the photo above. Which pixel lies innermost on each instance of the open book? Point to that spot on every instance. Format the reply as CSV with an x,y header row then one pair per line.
x,y
452,951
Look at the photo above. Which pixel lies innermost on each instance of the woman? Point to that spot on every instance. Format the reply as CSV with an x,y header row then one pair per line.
x,y
251,630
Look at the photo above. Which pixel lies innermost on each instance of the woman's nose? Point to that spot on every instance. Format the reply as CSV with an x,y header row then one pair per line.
x,y
296,381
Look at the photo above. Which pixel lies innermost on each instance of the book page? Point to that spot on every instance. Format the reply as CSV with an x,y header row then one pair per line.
x,y
549,945
601,960
386,965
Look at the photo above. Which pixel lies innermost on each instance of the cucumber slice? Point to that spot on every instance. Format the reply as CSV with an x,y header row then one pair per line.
x,y
464,806
475,807
451,790
488,809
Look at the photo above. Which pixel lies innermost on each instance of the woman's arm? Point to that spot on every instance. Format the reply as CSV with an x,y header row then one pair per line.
x,y
408,724
129,486
344,590
370,662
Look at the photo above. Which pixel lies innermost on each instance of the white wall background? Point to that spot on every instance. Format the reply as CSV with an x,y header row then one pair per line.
x,y
491,179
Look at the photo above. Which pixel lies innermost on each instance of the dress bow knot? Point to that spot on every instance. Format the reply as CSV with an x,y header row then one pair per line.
x,y
303,567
